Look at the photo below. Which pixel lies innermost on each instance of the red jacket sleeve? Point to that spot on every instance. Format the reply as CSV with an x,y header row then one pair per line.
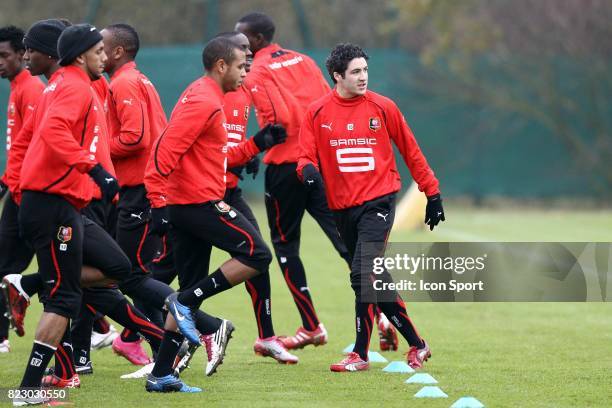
x,y
239,155
308,145
267,99
185,126
410,151
19,148
134,134
60,119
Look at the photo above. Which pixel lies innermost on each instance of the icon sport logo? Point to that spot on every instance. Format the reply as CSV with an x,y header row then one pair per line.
x,y
374,123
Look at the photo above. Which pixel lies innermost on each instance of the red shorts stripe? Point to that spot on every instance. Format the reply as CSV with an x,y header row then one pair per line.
x,y
142,240
251,243
57,271
280,231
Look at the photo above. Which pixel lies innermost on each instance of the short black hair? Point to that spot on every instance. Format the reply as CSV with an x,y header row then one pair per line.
x,y
216,49
14,35
341,56
125,36
260,23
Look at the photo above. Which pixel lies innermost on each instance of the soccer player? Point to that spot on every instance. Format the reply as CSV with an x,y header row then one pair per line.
x,y
24,94
136,119
282,83
185,181
345,142
56,181
236,108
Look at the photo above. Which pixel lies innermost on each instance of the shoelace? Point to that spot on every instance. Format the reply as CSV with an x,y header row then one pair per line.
x,y
208,343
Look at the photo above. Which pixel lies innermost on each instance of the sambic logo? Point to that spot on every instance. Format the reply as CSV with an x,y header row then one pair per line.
x,y
354,159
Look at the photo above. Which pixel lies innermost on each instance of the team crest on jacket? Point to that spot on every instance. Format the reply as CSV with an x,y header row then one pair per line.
x,y
374,123
246,112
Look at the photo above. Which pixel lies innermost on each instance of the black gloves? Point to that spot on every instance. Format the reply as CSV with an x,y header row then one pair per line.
x,y
4,189
311,177
434,213
237,171
160,223
252,166
107,183
269,136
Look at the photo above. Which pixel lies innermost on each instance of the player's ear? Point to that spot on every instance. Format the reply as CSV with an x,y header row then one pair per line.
x,y
338,76
221,65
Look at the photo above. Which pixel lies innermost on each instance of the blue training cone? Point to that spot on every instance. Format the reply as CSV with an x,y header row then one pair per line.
x,y
467,402
421,378
376,357
398,367
430,392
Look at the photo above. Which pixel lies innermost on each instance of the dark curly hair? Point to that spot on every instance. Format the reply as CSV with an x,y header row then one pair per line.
x,y
340,57
14,35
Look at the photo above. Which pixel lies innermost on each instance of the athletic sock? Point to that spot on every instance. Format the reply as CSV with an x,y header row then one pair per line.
x,y
211,285
167,353
37,363
136,322
259,289
396,313
205,323
64,357
364,316
295,276
81,337
31,284
101,325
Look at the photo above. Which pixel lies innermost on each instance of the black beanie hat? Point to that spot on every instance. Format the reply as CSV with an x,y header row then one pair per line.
x,y
75,40
43,36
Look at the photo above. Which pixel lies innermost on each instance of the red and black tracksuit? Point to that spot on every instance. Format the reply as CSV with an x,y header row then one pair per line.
x,y
187,173
282,84
25,90
349,142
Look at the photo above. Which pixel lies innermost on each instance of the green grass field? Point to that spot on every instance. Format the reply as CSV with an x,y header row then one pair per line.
x,y
504,354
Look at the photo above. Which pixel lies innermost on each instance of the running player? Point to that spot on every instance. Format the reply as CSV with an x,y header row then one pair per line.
x,y
24,94
282,83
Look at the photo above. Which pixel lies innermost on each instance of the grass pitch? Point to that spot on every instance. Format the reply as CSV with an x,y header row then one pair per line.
x,y
504,354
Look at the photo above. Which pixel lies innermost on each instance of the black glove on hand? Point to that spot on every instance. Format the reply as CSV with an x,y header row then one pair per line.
x,y
4,189
160,223
237,171
311,178
107,183
434,213
252,166
269,136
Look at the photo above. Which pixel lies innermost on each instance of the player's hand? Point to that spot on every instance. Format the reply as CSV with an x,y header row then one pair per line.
x,y
107,183
269,136
4,189
237,171
311,178
434,213
252,166
160,222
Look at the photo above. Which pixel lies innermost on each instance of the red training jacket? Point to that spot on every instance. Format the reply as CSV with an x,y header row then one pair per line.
x,y
64,139
236,109
282,84
25,92
136,118
189,159
349,140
